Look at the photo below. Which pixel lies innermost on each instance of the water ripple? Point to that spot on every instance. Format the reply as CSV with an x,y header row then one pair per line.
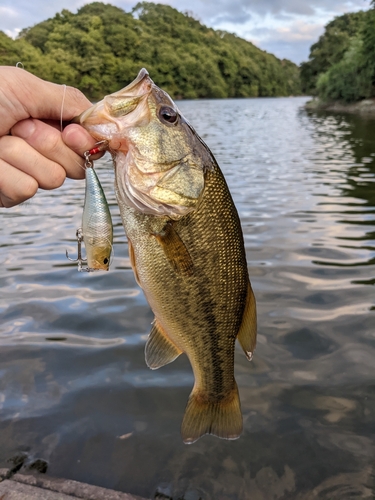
x,y
72,372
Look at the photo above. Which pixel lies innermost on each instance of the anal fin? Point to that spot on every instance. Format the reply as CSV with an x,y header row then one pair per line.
x,y
159,350
175,250
247,334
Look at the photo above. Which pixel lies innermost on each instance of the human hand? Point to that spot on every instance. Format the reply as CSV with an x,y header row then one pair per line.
x,y
34,153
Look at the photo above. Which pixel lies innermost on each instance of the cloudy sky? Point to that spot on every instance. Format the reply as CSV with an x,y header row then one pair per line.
x,y
286,28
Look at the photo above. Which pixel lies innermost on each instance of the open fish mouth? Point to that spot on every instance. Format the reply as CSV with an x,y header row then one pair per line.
x,y
140,77
103,119
157,156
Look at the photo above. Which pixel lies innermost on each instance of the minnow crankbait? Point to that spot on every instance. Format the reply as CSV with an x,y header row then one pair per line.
x,y
97,229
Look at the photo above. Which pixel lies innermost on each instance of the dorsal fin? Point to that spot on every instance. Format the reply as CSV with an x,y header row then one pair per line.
x,y
159,350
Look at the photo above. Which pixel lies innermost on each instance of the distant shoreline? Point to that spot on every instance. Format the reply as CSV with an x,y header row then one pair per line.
x,y
363,108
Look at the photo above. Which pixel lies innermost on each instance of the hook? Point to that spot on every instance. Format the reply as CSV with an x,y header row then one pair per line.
x,y
79,258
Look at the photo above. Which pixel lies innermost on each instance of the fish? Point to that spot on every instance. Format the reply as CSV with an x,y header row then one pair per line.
x,y
97,227
186,247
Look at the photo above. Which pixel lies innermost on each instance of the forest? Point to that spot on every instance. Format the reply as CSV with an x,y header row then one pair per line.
x,y
101,48
341,65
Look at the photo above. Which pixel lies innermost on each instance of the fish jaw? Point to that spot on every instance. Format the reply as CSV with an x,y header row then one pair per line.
x,y
107,119
151,144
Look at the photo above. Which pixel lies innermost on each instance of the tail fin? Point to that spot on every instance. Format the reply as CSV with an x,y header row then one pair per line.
x,y
221,418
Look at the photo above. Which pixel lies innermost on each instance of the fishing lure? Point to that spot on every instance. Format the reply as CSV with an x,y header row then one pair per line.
x,y
97,230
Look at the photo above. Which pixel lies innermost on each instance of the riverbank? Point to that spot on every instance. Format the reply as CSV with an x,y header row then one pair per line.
x,y
38,486
364,108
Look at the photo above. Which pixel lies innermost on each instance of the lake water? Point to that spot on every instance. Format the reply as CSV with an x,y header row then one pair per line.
x,y
74,387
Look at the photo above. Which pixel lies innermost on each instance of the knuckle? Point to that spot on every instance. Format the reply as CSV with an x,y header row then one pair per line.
x,y
24,191
48,174
78,98
54,144
8,145
55,178
59,176
29,189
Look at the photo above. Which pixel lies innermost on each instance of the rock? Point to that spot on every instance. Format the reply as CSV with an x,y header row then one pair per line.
x,y
365,107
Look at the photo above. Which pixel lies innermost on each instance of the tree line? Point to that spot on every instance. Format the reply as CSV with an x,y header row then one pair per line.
x,y
101,48
341,64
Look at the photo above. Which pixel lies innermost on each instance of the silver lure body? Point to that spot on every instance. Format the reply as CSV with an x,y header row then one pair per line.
x,y
97,229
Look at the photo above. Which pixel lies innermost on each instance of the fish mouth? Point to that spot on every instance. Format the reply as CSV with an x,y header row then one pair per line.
x,y
103,119
141,75
156,173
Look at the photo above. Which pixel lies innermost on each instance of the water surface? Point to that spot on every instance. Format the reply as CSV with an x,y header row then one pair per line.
x,y
74,387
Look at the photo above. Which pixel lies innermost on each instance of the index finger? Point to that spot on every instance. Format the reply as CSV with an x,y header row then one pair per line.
x,y
25,95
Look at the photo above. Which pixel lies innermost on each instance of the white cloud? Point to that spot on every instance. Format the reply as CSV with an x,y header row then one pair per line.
x,y
286,28
291,40
8,12
12,33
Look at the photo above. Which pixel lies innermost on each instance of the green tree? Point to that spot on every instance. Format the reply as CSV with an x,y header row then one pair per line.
x,y
330,48
368,37
348,80
101,48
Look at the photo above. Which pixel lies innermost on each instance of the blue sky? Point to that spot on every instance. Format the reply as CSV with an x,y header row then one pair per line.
x,y
286,28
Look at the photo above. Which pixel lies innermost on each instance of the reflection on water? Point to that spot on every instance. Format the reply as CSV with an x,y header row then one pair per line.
x,y
74,387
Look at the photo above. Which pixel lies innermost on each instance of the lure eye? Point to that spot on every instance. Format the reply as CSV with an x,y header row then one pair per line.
x,y
168,114
105,261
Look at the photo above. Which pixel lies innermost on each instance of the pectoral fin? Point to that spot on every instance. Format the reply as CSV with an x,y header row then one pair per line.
x,y
175,250
248,331
159,350
132,261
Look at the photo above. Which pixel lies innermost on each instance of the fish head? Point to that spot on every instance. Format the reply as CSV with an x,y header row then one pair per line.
x,y
160,161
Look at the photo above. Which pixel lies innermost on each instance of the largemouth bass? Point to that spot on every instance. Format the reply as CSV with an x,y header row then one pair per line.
x,y
186,247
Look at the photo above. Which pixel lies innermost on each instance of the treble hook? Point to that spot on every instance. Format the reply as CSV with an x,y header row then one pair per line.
x,y
79,258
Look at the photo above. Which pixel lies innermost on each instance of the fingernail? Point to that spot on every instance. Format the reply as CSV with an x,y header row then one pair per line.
x,y
24,129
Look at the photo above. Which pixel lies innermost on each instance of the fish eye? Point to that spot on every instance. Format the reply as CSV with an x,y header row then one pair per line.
x,y
168,114
105,261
